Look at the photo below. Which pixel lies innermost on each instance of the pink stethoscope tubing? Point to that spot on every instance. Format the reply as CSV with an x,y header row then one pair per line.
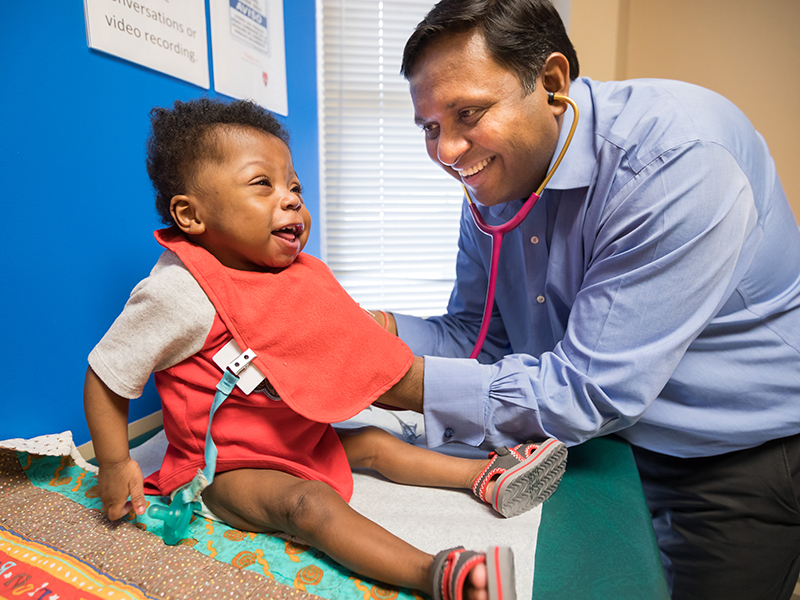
x,y
496,232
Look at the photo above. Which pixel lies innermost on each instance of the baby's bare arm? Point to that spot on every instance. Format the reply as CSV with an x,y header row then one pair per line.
x,y
119,476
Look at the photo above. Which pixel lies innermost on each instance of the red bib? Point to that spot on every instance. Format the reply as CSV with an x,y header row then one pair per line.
x,y
323,354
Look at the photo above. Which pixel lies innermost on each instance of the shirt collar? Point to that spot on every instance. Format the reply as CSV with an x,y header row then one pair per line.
x,y
575,170
577,166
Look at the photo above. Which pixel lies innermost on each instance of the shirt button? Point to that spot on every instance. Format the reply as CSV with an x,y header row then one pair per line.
x,y
534,240
448,433
540,299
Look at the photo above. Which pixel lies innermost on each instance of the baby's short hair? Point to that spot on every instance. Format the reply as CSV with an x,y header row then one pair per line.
x,y
183,136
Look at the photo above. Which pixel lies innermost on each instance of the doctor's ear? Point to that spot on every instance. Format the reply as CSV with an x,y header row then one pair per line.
x,y
183,209
555,76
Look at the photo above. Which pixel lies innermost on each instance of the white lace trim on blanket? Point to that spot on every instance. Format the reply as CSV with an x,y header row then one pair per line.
x,y
54,444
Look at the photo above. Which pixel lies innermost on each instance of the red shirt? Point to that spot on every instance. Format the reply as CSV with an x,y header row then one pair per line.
x,y
250,432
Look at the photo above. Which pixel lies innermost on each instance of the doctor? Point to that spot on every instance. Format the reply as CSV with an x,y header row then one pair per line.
x,y
652,292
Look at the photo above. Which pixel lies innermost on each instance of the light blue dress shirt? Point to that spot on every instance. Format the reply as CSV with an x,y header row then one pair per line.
x,y
653,291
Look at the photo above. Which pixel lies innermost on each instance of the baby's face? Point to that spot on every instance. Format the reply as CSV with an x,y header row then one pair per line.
x,y
251,202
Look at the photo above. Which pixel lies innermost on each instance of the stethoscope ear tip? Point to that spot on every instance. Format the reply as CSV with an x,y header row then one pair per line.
x,y
551,97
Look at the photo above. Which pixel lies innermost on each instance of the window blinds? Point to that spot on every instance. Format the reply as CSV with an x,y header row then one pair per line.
x,y
390,216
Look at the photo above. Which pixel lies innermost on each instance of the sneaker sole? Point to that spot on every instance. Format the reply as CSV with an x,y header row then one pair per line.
x,y
531,482
500,569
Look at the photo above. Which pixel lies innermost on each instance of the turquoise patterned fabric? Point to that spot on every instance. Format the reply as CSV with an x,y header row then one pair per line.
x,y
299,566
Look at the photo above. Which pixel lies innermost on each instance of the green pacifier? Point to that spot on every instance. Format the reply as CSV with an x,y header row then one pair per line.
x,y
176,518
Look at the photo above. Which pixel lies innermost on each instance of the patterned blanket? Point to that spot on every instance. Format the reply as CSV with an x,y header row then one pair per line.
x,y
55,543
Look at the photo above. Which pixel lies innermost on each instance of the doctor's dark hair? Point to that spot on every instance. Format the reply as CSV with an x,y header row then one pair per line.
x,y
519,34
185,135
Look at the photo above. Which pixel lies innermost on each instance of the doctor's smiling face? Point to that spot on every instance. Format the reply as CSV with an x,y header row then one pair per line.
x,y
480,124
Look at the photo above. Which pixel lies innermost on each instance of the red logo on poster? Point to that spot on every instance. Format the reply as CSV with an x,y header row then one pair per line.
x,y
265,77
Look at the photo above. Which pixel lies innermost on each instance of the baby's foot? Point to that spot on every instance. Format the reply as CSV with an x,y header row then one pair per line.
x,y
476,586
459,574
518,479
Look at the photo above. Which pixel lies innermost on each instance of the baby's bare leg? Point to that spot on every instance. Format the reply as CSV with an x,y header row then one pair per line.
x,y
269,501
374,448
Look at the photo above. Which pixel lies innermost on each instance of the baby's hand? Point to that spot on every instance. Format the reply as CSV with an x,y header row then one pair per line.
x,y
117,482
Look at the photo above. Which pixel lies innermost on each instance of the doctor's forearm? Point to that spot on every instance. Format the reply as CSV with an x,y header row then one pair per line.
x,y
407,394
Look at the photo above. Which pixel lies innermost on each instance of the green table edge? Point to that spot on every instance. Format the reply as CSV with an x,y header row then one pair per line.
x,y
596,539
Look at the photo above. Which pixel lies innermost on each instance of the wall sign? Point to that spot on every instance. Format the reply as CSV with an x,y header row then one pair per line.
x,y
248,50
164,35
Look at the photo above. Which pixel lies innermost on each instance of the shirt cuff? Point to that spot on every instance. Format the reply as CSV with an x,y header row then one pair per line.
x,y
415,332
455,394
110,379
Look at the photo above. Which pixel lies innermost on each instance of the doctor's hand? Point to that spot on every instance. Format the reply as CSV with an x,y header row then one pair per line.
x,y
116,483
406,394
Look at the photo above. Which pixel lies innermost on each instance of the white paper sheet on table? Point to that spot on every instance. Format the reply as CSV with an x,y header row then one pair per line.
x,y
434,519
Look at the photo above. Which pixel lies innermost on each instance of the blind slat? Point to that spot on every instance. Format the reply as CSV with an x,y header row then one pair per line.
x,y
391,216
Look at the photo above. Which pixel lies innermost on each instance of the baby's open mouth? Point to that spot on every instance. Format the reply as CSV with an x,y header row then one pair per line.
x,y
289,233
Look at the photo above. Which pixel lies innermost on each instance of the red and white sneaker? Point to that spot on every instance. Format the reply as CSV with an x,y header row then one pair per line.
x,y
451,567
527,475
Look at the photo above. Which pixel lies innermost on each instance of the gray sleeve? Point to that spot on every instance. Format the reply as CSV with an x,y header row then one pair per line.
x,y
166,320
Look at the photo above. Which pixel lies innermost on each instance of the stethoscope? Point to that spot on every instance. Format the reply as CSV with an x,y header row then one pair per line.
x,y
496,232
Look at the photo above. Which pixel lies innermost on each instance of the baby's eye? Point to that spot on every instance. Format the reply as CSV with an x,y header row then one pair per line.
x,y
262,181
297,189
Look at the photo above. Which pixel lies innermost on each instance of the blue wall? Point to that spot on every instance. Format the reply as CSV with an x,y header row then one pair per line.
x,y
77,204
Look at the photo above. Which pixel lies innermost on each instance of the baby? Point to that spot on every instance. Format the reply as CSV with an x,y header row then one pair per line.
x,y
233,270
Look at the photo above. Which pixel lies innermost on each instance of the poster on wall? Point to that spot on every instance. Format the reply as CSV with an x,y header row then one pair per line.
x,y
249,53
165,35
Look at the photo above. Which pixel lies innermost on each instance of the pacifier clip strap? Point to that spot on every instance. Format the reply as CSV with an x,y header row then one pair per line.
x,y
230,378
178,515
